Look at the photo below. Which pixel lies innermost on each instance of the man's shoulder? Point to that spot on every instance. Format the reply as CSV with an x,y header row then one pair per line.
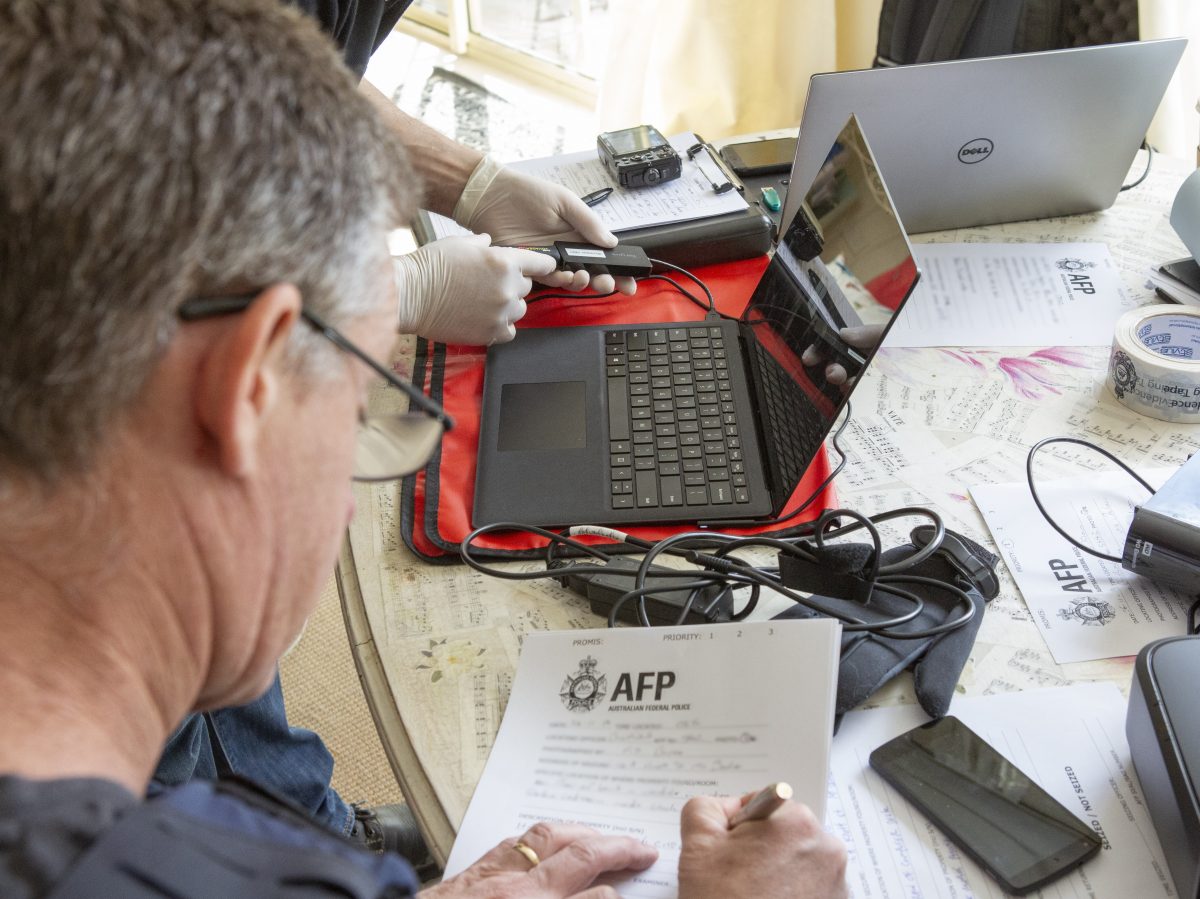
x,y
45,825
199,840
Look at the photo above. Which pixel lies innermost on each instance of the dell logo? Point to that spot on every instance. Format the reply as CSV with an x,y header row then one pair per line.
x,y
974,151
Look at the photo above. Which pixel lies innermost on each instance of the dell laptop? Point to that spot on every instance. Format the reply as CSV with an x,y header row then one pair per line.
x,y
715,419
995,139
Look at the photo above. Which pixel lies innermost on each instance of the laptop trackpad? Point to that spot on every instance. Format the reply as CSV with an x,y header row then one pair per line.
x,y
542,416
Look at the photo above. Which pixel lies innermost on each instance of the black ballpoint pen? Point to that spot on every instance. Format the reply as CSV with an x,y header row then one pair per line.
x,y
597,196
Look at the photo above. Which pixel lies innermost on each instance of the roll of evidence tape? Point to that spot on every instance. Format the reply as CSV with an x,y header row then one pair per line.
x,y
1154,368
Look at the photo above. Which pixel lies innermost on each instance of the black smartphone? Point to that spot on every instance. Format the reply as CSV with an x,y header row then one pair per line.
x,y
760,157
1015,830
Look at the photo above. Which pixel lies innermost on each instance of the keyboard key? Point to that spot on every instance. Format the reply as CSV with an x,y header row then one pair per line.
x,y
696,465
668,468
720,494
686,415
688,438
668,455
624,501
642,426
718,474
622,487
637,356
657,336
739,480
620,446
638,401
714,332
619,459
691,479
697,496
677,334
611,337
671,490
643,449
737,467
641,412
645,489
644,463
741,495
716,462
692,453
622,474
667,443
618,410
635,340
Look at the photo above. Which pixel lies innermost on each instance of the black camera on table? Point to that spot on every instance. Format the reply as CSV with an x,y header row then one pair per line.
x,y
639,157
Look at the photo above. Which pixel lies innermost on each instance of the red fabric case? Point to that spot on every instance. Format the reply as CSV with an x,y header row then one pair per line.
x,y
436,503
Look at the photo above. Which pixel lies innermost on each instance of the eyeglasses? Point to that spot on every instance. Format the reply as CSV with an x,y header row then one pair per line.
x,y
389,446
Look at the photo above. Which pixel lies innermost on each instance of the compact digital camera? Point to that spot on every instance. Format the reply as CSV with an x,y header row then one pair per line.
x,y
639,157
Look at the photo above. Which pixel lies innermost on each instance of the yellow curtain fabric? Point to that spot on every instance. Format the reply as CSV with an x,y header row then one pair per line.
x,y
1176,127
724,67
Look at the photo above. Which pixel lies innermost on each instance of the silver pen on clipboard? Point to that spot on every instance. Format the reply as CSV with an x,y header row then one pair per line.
x,y
713,167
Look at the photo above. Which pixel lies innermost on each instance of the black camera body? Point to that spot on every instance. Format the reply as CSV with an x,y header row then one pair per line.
x,y
639,157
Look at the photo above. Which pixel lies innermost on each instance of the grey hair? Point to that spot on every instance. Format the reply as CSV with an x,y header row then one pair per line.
x,y
156,150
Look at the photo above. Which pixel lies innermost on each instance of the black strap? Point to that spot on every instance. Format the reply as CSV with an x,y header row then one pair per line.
x,y
947,29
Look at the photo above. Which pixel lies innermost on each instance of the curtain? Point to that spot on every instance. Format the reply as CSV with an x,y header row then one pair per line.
x,y
724,67
1176,127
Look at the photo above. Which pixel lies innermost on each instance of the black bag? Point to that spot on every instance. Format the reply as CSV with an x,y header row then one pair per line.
x,y
913,31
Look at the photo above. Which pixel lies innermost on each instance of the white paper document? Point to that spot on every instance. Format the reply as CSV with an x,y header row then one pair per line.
x,y
978,294
690,196
618,728
1085,607
1082,760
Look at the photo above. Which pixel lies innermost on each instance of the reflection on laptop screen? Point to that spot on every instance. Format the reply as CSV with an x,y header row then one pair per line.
x,y
840,273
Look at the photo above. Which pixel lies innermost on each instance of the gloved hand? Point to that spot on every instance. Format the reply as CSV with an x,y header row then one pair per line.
x,y
520,210
869,661
463,290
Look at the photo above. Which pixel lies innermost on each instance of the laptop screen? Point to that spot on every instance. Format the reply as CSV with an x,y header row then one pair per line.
x,y
839,274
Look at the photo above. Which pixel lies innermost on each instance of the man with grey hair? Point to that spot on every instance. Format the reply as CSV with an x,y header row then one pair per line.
x,y
195,289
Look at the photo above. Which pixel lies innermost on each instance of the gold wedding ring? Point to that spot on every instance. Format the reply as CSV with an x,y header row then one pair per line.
x,y
528,852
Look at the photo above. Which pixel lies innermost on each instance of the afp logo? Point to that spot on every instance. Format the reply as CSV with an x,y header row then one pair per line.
x,y
976,150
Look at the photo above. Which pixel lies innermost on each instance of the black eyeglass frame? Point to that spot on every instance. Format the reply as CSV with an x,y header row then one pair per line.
x,y
199,308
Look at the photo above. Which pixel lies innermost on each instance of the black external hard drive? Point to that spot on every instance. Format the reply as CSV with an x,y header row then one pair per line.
x,y
621,260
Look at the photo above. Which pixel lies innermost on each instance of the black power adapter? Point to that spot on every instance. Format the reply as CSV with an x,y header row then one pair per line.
x,y
615,578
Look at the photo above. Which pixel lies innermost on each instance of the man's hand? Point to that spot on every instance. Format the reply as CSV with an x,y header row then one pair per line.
x,y
519,210
463,290
786,856
571,858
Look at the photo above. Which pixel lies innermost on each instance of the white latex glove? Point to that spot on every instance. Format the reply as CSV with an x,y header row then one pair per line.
x,y
463,290
520,210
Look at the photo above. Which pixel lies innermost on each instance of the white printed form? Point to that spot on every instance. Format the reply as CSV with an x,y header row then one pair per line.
x,y
976,294
1069,740
1085,607
618,728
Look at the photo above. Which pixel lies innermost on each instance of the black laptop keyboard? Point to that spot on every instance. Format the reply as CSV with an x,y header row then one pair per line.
x,y
675,437
794,426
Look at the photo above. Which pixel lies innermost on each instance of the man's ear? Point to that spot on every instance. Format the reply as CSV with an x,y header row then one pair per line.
x,y
241,374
